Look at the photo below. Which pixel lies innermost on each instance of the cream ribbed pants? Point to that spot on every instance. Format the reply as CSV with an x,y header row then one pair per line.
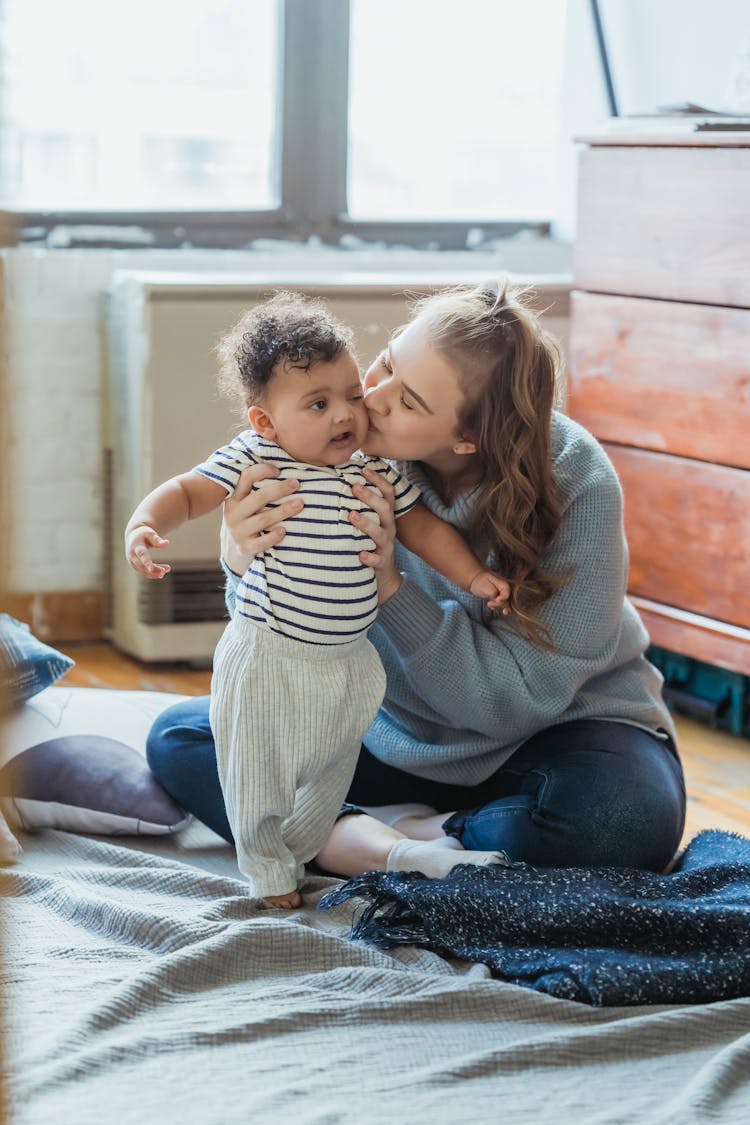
x,y
288,720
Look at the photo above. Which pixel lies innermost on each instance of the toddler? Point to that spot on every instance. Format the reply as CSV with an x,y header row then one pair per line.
x,y
296,682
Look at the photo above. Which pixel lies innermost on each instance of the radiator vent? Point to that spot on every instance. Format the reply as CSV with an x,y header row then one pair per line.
x,y
187,595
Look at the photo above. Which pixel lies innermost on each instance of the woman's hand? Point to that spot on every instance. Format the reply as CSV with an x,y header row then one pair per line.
x,y
249,526
383,536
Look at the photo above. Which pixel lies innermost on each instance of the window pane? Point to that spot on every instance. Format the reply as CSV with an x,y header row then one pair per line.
x,y
454,108
144,104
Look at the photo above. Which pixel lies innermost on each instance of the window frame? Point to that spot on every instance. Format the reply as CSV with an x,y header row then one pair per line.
x,y
310,170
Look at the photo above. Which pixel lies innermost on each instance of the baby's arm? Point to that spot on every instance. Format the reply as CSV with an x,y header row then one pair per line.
x,y
179,499
440,545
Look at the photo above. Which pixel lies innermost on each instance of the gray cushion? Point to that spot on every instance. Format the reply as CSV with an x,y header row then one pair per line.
x,y
62,768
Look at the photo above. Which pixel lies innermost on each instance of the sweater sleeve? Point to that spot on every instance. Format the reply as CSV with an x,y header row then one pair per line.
x,y
481,674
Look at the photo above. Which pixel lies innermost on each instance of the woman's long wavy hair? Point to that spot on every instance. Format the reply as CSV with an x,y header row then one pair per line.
x,y
508,365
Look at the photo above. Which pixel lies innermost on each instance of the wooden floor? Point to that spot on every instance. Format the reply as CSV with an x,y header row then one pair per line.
x,y
717,764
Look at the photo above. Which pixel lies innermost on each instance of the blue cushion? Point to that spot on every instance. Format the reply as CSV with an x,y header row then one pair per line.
x,y
27,666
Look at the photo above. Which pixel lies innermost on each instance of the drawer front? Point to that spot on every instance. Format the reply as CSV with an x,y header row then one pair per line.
x,y
688,528
663,376
665,222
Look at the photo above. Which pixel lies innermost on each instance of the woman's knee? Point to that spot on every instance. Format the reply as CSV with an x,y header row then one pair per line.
x,y
180,727
612,816
628,838
182,756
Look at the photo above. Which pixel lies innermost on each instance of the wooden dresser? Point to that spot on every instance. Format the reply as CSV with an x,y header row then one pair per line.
x,y
660,368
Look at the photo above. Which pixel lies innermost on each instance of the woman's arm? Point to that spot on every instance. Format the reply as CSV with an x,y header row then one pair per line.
x,y
485,676
182,498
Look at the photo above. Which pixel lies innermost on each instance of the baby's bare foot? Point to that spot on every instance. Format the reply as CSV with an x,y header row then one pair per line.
x,y
286,902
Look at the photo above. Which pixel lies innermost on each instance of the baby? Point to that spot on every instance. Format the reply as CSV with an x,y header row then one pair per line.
x,y
296,682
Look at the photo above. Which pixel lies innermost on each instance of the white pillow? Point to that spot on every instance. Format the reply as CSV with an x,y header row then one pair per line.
x,y
74,758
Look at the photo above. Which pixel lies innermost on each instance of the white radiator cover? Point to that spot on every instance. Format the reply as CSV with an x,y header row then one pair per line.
x,y
163,415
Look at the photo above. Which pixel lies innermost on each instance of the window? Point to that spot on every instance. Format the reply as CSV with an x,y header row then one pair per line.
x,y
219,121
454,108
144,105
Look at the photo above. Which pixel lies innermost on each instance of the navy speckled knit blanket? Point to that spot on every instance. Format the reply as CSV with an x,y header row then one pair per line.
x,y
602,936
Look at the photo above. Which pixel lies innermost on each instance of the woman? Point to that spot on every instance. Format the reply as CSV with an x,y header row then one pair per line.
x,y
542,735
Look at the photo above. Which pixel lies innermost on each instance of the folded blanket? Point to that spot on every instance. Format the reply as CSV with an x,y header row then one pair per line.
x,y
602,936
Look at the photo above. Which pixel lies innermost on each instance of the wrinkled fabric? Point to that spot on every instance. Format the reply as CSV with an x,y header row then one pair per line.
x,y
145,984
600,936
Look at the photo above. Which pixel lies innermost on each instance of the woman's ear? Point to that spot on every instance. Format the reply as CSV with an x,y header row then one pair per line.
x,y
261,423
464,446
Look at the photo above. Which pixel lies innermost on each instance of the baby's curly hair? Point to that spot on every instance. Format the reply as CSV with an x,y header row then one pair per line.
x,y
287,329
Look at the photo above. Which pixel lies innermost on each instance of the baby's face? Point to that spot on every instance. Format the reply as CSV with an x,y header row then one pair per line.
x,y
318,416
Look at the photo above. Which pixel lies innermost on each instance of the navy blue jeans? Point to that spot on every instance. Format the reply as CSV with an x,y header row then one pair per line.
x,y
580,794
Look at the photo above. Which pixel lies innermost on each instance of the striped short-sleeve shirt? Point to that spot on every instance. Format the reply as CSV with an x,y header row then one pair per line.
x,y
311,586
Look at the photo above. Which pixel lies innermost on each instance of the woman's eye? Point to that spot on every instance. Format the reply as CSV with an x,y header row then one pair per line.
x,y
357,398
404,403
385,362
319,405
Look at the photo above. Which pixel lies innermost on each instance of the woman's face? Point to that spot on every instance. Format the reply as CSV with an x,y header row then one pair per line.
x,y
413,395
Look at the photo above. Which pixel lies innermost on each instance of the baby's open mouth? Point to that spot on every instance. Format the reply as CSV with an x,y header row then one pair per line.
x,y
342,439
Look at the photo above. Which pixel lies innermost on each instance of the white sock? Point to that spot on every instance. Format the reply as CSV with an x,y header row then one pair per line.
x,y
389,814
435,858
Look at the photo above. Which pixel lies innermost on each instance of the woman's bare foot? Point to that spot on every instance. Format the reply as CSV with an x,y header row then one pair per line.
x,y
286,902
357,844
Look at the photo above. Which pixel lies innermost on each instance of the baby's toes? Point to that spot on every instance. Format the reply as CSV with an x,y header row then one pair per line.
x,y
285,902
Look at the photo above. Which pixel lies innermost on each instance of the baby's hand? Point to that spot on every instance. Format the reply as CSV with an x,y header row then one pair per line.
x,y
494,589
137,548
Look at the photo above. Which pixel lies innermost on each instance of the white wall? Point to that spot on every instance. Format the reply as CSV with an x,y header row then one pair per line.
x,y
56,351
662,52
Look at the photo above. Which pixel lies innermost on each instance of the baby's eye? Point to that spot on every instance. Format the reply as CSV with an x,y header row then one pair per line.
x,y
404,403
319,405
357,398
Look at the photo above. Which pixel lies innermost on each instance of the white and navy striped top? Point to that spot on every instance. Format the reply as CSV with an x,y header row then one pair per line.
x,y
311,586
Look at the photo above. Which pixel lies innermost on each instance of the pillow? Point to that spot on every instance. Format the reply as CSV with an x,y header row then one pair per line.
x,y
27,665
74,759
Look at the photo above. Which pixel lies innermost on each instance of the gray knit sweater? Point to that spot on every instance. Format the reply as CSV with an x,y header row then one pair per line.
x,y
464,689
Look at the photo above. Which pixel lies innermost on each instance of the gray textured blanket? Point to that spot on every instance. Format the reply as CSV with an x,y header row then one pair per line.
x,y
152,987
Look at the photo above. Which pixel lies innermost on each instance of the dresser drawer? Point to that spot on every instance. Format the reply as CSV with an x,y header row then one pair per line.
x,y
663,376
665,222
688,529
